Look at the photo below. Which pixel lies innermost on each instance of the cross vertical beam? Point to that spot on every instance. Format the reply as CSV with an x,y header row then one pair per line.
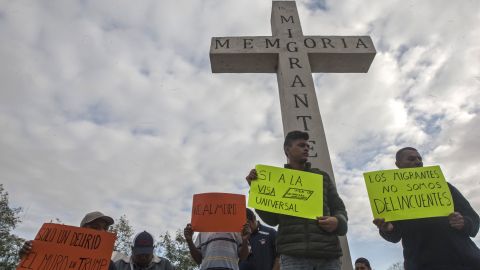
x,y
294,57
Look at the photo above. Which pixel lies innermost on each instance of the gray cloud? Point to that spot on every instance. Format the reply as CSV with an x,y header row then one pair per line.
x,y
111,105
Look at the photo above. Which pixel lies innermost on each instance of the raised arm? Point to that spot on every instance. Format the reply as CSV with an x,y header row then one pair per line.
x,y
194,251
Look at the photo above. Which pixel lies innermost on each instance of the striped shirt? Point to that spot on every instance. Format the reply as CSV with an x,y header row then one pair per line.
x,y
219,250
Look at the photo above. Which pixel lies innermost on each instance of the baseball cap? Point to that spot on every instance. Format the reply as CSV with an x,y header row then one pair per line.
x,y
94,216
143,243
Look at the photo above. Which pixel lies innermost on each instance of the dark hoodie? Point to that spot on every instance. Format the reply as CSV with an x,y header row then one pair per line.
x,y
431,243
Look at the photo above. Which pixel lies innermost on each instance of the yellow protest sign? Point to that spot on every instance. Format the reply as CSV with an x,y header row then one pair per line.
x,y
408,193
288,192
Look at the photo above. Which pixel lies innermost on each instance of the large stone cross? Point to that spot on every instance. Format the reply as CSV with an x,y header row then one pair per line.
x,y
294,57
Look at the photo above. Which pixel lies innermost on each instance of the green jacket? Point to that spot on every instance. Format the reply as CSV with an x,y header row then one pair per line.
x,y
301,237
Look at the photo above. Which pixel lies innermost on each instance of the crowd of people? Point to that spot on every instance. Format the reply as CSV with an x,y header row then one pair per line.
x,y
312,244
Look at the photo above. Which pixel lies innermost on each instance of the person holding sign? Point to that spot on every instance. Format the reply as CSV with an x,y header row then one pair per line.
x,y
218,250
307,243
142,256
436,242
94,220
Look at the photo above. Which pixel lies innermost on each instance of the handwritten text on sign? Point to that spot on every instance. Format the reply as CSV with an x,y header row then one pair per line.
x,y
64,247
408,193
218,212
288,192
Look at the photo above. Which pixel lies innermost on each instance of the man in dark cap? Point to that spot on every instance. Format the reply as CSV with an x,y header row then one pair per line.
x,y
93,220
307,243
436,243
142,256
263,254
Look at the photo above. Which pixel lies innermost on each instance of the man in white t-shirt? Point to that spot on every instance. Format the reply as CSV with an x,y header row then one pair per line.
x,y
218,250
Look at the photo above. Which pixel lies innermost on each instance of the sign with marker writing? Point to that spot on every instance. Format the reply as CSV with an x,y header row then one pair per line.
x,y
408,193
65,247
289,192
218,212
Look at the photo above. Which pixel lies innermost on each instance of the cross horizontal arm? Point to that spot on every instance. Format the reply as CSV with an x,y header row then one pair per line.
x,y
326,54
339,54
244,54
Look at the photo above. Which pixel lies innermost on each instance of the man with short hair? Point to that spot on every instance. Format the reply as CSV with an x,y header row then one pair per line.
x,y
362,264
218,250
263,255
93,220
142,256
435,243
307,243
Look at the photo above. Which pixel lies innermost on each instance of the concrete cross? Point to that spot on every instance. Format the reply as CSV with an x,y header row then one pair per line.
x,y
294,57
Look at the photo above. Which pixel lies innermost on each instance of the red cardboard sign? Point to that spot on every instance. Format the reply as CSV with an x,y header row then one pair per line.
x,y
218,212
65,247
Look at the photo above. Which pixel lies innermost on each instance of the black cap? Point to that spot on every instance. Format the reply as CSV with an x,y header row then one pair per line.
x,y
143,244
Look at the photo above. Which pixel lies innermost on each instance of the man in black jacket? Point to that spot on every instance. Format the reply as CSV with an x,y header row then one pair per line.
x,y
306,243
436,243
262,246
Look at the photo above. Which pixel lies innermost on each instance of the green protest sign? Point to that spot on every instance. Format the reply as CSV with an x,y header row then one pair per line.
x,y
408,193
288,192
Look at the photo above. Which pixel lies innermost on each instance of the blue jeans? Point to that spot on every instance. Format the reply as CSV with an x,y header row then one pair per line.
x,y
297,263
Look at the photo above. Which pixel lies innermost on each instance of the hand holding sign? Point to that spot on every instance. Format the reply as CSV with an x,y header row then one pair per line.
x,y
382,225
252,175
328,223
26,248
188,232
456,220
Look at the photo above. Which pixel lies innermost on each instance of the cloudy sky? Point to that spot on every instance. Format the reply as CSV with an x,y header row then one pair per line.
x,y
111,105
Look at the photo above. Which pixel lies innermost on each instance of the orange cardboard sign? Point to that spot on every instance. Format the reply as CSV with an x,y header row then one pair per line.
x,y
61,247
218,212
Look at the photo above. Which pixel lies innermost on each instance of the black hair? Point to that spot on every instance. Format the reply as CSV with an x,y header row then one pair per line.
x,y
364,261
292,136
250,215
399,152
